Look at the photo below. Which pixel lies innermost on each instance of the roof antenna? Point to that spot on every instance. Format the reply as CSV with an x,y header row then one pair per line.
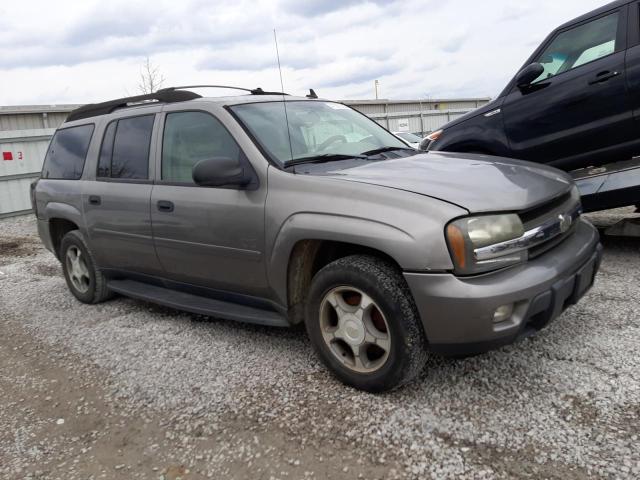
x,y
284,100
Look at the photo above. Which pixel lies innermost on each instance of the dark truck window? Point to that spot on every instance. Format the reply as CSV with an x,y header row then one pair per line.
x,y
579,46
104,161
125,148
190,137
67,153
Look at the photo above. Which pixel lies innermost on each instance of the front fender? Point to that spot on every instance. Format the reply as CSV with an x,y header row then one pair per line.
x,y
394,242
479,134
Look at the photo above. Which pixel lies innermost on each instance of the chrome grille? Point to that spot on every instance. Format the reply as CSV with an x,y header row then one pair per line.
x,y
545,227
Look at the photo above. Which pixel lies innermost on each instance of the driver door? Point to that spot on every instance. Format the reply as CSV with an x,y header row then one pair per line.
x,y
579,105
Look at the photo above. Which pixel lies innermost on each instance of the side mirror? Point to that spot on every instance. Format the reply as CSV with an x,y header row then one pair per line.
x,y
218,172
528,74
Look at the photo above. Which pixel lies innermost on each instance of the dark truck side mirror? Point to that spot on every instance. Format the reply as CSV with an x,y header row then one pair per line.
x,y
219,172
529,74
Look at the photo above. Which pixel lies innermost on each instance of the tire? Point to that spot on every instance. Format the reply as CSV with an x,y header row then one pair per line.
x,y
85,280
399,352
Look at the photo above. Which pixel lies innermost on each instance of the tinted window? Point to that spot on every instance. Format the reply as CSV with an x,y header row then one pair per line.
x,y
125,148
104,161
67,153
131,147
190,137
579,46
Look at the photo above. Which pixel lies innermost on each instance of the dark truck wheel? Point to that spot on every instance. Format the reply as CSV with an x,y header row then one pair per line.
x,y
84,280
363,323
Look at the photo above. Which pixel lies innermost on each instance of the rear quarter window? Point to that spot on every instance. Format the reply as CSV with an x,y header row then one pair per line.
x,y
67,153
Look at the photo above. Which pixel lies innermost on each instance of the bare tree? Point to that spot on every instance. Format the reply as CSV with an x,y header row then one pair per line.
x,y
151,79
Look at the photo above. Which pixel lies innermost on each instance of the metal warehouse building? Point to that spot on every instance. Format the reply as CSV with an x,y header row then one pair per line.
x,y
416,116
25,132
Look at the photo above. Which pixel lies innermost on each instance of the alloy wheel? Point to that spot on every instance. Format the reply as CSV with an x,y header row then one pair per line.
x,y
355,329
77,269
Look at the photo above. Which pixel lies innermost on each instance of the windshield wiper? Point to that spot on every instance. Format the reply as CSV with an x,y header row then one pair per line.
x,y
324,158
384,149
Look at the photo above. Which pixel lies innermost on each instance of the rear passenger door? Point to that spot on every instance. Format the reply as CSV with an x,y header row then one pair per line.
x,y
117,203
206,236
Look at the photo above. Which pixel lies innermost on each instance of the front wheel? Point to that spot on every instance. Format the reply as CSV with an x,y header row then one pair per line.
x,y
364,325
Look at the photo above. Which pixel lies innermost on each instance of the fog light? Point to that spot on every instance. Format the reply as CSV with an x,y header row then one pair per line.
x,y
502,313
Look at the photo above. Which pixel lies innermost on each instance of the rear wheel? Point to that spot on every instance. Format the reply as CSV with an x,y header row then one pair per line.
x,y
364,325
84,279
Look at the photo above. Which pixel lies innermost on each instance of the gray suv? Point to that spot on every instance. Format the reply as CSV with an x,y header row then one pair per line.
x,y
282,210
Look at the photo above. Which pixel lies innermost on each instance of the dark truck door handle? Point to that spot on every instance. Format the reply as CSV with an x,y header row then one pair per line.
x,y
165,206
94,200
603,77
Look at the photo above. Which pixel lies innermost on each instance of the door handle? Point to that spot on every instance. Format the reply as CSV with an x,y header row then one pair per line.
x,y
603,77
94,200
165,206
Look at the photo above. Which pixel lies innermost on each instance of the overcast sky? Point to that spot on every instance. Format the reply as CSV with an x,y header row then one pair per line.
x,y
87,51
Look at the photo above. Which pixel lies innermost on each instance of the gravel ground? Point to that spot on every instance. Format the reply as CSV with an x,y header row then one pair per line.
x,y
126,389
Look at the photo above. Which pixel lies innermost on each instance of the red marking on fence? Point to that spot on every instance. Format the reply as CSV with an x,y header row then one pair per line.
x,y
7,156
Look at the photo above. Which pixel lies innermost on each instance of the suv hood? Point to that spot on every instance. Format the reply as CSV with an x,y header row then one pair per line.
x,y
477,183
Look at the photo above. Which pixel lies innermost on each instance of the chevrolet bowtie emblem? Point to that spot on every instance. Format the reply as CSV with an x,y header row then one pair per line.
x,y
565,222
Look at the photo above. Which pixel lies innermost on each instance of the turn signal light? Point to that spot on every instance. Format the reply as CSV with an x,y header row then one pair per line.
x,y
457,245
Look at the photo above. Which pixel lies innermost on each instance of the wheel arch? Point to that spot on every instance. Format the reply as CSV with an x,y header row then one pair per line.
x,y
302,248
61,219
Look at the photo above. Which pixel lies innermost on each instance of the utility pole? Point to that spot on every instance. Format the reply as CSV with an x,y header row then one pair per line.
x,y
376,83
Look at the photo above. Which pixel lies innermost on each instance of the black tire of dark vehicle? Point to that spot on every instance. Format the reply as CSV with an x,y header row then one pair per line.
x,y
384,284
96,285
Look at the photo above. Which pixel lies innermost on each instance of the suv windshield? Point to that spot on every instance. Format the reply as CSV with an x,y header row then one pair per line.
x,y
316,129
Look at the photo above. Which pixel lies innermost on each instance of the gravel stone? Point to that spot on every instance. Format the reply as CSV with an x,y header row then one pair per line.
x,y
150,392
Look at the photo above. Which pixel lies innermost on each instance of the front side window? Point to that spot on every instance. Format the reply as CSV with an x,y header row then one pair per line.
x,y
579,46
314,129
125,148
190,137
67,153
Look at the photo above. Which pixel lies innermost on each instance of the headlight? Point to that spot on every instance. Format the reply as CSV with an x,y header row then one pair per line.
x,y
468,234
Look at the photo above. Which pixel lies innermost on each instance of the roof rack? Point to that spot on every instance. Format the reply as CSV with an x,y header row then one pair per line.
x,y
164,95
252,91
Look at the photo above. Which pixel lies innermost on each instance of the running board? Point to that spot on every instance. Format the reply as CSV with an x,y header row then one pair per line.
x,y
197,304
609,186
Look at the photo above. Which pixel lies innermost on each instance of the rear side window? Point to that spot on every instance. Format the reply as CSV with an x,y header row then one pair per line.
x,y
190,137
67,153
125,148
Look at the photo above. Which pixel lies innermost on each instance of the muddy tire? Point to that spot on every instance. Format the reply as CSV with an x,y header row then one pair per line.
x,y
84,279
364,325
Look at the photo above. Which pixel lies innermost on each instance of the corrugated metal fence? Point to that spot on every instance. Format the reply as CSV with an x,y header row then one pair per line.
x,y
24,137
25,133
22,155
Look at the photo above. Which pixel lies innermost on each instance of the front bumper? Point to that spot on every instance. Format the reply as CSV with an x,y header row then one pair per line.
x,y
457,313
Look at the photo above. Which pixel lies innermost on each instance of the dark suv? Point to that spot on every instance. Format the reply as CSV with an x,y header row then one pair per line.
x,y
574,105
281,210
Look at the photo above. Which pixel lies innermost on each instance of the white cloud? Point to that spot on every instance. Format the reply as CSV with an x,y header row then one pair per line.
x,y
57,52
